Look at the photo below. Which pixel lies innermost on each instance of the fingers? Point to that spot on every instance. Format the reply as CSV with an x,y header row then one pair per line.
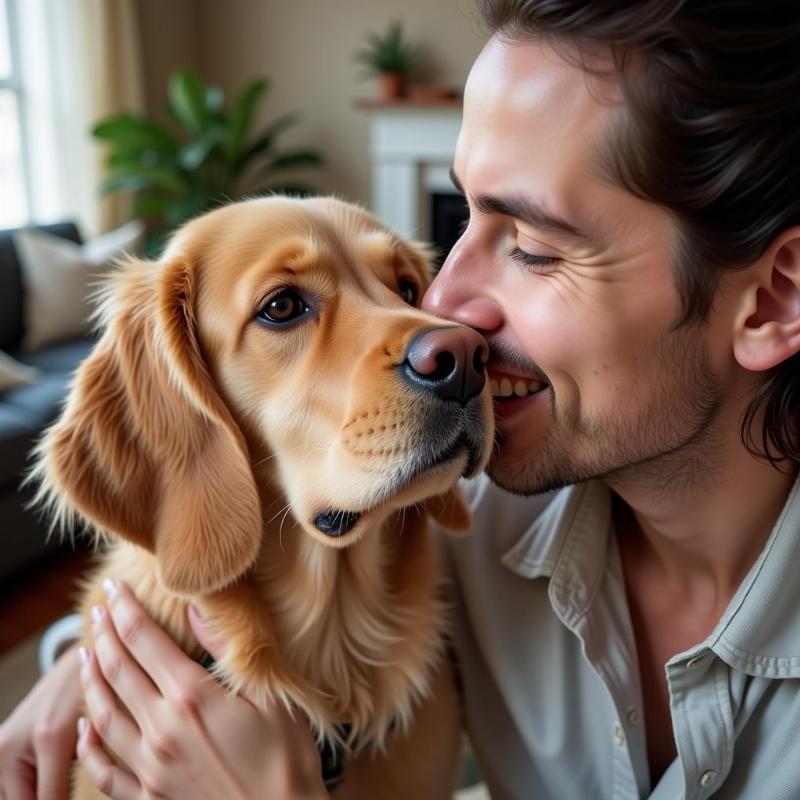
x,y
156,653
122,673
109,720
19,785
216,647
53,735
109,778
38,738
53,750
210,643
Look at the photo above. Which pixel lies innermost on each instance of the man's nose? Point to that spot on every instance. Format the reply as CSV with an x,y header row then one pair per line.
x,y
459,293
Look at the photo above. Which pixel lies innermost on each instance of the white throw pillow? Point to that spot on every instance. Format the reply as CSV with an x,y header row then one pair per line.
x,y
59,277
13,374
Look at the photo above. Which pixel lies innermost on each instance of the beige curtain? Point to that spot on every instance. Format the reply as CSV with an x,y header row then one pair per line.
x,y
81,62
115,80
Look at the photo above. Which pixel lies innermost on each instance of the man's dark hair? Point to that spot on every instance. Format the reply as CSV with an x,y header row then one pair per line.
x,y
713,135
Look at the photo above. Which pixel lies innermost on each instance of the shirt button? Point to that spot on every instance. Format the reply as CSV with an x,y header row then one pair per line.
x,y
707,778
693,662
619,736
633,716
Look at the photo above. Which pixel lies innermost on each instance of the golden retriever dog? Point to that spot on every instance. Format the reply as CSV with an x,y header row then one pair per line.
x,y
265,429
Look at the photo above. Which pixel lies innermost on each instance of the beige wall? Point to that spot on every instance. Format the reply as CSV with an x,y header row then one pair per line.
x,y
170,33
306,47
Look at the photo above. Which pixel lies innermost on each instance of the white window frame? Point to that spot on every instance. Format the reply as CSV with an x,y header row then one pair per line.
x,y
13,82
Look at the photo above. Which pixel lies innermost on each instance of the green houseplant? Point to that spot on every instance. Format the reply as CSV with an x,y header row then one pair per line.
x,y
203,153
390,57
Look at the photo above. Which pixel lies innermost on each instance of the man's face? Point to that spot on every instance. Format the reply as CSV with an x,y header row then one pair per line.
x,y
583,329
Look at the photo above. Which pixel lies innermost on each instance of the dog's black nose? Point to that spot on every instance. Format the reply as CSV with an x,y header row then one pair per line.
x,y
447,362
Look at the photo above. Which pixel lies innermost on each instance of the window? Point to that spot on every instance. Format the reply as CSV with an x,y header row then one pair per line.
x,y
14,191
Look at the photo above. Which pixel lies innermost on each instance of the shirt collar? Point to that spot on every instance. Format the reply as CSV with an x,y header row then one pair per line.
x,y
759,632
567,543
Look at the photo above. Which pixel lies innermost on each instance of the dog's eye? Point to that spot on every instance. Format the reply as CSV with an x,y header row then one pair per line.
x,y
283,307
408,291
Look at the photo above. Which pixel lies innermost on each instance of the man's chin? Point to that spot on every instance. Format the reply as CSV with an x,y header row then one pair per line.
x,y
520,477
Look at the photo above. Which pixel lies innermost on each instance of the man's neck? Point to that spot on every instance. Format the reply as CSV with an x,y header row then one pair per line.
x,y
703,523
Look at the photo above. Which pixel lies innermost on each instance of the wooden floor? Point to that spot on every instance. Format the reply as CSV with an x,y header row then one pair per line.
x,y
42,594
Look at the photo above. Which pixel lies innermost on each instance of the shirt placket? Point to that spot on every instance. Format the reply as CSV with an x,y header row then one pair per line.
x,y
603,626
625,783
702,719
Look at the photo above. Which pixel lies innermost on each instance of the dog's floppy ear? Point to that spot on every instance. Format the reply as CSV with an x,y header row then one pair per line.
x,y
145,448
450,511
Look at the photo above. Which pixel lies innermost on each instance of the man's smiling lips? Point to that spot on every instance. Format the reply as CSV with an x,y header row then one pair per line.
x,y
511,393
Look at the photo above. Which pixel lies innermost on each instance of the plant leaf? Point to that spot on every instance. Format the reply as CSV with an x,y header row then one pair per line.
x,y
126,159
131,133
187,99
150,204
241,116
215,99
192,155
184,208
143,177
264,141
292,160
388,52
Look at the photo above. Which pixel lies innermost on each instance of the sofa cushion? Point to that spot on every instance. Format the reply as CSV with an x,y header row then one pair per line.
x,y
17,437
38,404
14,373
26,410
11,291
61,357
60,277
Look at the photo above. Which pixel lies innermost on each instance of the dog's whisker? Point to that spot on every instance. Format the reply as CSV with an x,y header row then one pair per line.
x,y
280,527
275,516
285,511
264,460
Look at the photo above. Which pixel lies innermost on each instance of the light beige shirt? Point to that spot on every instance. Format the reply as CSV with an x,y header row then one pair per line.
x,y
547,655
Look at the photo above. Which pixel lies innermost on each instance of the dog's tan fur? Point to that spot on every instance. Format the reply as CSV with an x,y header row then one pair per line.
x,y
202,443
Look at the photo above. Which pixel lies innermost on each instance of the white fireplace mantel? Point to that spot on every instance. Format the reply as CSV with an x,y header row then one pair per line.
x,y
411,149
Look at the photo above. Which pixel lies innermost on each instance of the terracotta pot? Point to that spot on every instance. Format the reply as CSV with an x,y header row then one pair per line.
x,y
392,85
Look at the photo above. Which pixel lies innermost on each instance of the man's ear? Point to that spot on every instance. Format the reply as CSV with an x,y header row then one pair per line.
x,y
145,449
768,324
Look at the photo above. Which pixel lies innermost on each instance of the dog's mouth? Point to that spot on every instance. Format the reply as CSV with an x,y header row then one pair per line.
x,y
337,522
460,445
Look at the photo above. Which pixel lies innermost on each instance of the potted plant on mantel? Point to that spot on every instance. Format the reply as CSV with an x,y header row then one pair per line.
x,y
391,58
203,153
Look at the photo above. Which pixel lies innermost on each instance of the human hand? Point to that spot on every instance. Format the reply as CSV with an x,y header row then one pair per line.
x,y
181,734
37,741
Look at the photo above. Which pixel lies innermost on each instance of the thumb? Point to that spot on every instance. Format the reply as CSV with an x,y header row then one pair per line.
x,y
211,642
214,645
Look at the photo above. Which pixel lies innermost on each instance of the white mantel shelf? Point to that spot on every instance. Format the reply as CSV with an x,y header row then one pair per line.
x,y
411,149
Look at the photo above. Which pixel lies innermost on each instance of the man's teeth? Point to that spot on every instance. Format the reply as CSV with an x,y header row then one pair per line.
x,y
520,388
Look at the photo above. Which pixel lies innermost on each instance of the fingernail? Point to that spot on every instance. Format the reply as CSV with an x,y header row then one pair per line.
x,y
83,653
110,586
82,726
97,613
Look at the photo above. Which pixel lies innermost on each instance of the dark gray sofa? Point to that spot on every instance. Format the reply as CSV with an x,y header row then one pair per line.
x,y
26,411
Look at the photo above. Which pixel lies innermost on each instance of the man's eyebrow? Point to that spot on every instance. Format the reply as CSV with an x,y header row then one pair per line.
x,y
523,209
